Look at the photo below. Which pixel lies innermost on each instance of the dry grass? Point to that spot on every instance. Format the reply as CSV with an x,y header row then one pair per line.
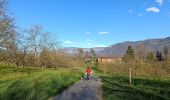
x,y
139,69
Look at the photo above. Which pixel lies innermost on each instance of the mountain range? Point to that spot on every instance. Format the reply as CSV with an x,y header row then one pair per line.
x,y
119,49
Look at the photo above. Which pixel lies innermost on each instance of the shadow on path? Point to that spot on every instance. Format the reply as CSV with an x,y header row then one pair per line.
x,y
83,90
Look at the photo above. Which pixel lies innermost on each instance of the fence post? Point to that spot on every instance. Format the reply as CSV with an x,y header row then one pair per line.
x,y
130,76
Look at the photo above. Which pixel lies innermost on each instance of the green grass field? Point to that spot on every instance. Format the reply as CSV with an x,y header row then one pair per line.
x,y
34,84
118,88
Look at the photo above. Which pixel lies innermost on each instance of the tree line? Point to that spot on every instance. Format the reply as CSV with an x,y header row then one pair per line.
x,y
144,63
158,56
32,47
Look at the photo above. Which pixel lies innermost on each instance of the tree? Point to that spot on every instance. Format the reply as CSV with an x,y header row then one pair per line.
x,y
23,49
93,53
94,57
45,59
80,53
159,56
150,56
129,54
7,33
141,52
166,53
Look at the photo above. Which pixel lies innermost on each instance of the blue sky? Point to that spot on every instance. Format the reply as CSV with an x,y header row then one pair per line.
x,y
95,23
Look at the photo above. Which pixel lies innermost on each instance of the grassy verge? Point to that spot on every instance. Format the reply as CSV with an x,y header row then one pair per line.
x,y
33,84
118,88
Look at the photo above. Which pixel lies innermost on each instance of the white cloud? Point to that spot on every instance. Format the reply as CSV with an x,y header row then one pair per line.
x,y
153,9
141,14
87,33
68,42
160,2
130,11
89,40
101,33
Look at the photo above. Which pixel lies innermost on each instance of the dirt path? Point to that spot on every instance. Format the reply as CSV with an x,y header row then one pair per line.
x,y
83,90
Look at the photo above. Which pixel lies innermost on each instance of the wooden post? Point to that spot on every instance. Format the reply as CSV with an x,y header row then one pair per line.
x,y
130,76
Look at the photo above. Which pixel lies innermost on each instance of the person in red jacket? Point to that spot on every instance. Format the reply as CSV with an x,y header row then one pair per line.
x,y
88,71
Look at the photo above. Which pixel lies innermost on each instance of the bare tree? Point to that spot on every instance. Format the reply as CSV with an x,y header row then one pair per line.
x,y
141,52
7,33
39,44
166,53
80,53
22,49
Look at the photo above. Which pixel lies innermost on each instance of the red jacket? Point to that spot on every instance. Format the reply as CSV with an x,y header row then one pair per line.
x,y
88,70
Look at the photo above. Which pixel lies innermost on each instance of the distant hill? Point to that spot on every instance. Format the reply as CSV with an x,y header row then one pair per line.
x,y
119,49
150,45
74,50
